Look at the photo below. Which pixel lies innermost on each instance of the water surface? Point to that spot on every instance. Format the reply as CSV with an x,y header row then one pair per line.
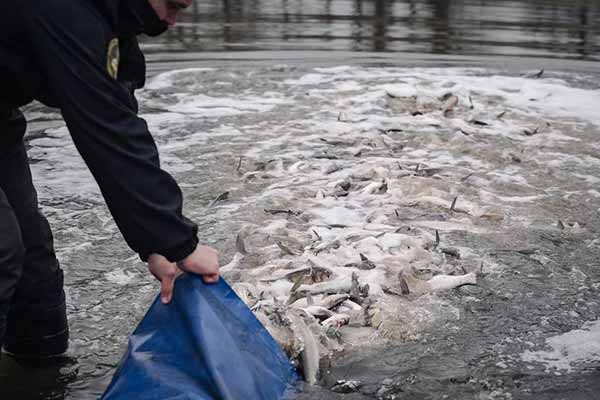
x,y
548,28
253,48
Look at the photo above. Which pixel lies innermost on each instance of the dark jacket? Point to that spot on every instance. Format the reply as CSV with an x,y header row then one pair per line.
x,y
82,56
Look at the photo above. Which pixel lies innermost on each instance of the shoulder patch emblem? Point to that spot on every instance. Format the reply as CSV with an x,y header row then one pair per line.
x,y
112,58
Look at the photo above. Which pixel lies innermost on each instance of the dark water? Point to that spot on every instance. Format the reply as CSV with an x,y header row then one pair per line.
x,y
228,34
548,28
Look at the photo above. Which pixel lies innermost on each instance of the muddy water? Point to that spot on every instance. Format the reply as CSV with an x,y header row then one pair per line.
x,y
539,280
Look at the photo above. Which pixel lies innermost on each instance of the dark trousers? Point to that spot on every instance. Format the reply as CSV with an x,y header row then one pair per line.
x,y
32,302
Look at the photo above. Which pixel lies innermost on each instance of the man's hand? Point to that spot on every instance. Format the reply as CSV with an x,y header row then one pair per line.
x,y
166,272
203,261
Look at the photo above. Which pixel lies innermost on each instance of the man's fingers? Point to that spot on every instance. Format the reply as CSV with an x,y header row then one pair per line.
x,y
166,289
210,278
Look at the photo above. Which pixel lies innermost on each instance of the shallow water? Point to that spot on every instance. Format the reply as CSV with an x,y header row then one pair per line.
x,y
470,342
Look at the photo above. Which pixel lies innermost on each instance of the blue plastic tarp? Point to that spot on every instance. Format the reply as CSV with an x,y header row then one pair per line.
x,y
206,344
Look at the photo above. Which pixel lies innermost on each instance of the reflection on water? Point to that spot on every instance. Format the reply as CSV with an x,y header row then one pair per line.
x,y
550,28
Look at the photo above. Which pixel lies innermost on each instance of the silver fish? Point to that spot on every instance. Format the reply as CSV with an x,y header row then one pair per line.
x,y
333,300
309,356
319,312
336,321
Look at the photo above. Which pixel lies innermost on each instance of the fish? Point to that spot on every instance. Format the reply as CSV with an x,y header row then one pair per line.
x,y
453,204
302,289
337,142
325,156
239,244
310,275
427,172
341,189
282,333
295,286
309,300
355,292
221,197
364,264
333,300
478,122
528,132
341,285
331,168
344,185
339,192
309,356
375,188
319,312
450,102
535,75
350,305
244,292
451,251
303,278
344,386
394,291
336,321
364,290
317,235
287,250
326,246
438,282
393,130
524,251
289,212
301,302
464,179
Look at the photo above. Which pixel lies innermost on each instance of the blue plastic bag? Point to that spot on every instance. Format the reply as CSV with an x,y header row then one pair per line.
x,y
206,344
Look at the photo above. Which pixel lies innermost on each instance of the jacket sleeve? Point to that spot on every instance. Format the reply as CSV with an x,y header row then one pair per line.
x,y
70,45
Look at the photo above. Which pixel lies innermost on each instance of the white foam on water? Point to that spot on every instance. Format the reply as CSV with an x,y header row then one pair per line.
x,y
309,79
172,78
209,106
335,70
578,346
594,193
400,90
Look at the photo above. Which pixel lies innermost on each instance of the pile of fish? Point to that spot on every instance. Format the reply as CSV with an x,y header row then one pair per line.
x,y
351,242
305,309
319,283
